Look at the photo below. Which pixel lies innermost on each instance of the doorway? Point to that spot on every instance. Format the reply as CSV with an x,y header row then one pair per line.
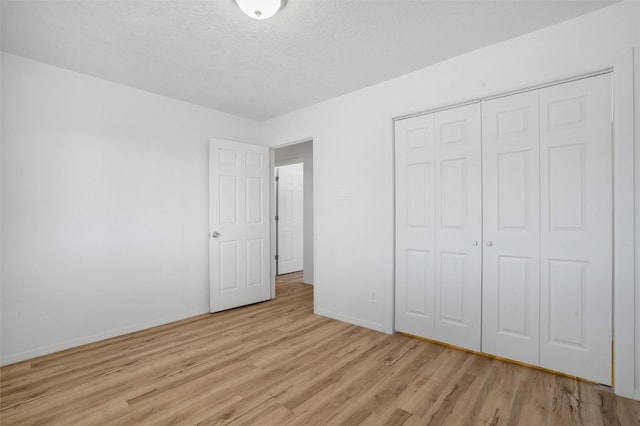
x,y
301,154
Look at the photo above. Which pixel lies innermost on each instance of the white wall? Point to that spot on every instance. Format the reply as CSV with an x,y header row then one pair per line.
x,y
353,147
104,207
285,155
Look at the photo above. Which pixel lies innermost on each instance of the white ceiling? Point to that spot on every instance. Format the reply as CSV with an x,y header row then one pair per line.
x,y
209,53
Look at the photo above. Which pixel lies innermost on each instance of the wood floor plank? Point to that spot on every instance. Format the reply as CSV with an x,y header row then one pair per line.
x,y
430,388
498,390
368,390
337,402
277,363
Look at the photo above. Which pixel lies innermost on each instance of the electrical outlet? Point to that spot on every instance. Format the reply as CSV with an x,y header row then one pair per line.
x,y
372,296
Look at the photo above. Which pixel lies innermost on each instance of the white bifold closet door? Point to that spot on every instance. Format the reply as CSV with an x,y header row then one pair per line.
x,y
510,252
511,227
438,201
576,228
415,226
547,228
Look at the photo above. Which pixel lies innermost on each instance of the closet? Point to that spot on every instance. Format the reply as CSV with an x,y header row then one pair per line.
x,y
504,227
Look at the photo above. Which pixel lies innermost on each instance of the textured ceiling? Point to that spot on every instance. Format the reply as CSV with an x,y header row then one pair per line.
x,y
209,53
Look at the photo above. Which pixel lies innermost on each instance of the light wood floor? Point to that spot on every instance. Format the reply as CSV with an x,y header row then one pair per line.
x,y
278,363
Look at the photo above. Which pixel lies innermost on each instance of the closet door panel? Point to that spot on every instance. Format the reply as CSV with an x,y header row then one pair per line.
x,y
458,226
415,226
511,234
576,228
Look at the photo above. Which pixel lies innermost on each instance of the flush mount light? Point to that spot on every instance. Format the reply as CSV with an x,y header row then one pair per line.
x,y
260,9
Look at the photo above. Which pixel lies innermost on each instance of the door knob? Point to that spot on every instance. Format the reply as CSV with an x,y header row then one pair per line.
x,y
215,234
475,243
489,243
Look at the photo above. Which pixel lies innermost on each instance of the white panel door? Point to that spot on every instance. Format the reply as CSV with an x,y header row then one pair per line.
x,y
290,218
239,224
458,226
415,226
576,228
511,228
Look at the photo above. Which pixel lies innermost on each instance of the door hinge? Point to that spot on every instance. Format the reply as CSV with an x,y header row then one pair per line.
x,y
277,178
277,257
277,218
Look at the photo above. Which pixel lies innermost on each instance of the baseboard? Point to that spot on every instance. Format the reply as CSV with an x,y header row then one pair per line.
x,y
47,350
351,320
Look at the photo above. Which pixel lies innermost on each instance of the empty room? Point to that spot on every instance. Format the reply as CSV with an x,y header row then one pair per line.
x,y
292,212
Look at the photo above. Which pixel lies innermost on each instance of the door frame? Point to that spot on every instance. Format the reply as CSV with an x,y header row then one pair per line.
x,y
626,211
272,195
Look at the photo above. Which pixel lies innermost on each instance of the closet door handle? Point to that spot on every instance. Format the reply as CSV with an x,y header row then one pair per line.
x,y
475,243
489,243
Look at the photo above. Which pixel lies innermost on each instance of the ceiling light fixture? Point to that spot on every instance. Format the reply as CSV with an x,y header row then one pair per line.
x,y
260,9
